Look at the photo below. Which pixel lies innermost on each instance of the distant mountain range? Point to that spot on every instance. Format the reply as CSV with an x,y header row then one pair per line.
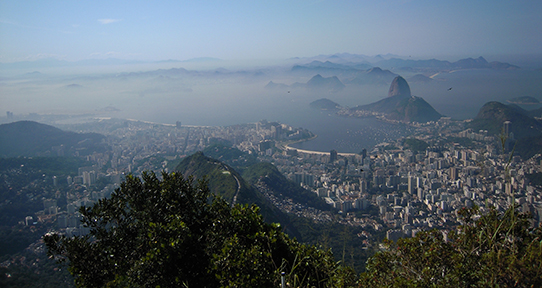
x,y
468,63
29,138
524,100
374,76
347,61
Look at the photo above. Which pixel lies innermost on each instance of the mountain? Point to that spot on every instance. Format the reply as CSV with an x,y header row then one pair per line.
x,y
420,78
322,83
414,109
29,138
225,181
434,64
524,100
267,175
399,87
330,68
493,114
276,86
324,104
535,113
374,76
400,105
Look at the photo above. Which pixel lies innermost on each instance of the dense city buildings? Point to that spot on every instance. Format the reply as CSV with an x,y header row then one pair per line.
x,y
401,187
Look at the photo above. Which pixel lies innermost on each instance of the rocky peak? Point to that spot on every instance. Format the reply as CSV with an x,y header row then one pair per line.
x,y
399,87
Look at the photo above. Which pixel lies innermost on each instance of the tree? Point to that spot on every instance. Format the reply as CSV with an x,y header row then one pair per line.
x,y
489,250
174,232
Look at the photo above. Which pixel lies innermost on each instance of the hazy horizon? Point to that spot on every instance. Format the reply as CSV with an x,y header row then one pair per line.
x,y
116,55
251,30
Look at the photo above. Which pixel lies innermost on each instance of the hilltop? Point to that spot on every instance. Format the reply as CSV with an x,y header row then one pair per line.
x,y
324,104
29,138
525,130
493,114
373,76
225,181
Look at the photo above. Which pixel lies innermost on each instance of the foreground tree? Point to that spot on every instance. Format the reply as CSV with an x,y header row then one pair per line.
x,y
174,232
496,249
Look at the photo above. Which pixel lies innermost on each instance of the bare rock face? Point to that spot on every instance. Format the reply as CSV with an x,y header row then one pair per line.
x,y
399,87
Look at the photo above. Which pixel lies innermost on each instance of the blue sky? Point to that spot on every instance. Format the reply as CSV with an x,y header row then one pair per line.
x,y
244,30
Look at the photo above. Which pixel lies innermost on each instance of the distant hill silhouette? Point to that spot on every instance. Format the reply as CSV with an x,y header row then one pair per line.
x,y
276,86
493,114
324,104
434,64
400,105
322,83
317,83
29,138
374,76
525,100
329,68
420,78
73,86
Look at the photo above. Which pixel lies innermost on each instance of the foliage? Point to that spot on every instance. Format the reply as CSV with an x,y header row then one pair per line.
x,y
32,268
390,147
465,142
29,138
25,181
529,146
343,240
269,174
494,249
173,232
535,178
231,156
415,144
493,114
13,240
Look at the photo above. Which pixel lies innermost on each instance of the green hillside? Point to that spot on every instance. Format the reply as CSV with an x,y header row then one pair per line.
x,y
29,138
493,114
225,181
280,185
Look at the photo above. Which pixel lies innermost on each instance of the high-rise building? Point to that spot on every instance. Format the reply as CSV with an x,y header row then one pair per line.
x,y
453,173
411,185
506,128
333,156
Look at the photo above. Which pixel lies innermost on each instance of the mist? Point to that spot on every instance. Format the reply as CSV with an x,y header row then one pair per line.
x,y
226,93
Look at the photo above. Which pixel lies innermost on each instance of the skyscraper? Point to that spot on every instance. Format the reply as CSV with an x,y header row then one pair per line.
x,y
332,156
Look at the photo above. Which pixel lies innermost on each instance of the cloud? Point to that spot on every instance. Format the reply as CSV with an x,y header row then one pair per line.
x,y
108,21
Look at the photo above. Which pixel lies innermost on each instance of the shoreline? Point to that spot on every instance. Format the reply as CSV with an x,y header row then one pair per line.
x,y
286,146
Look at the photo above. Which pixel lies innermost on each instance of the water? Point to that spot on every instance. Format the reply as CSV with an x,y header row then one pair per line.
x,y
347,135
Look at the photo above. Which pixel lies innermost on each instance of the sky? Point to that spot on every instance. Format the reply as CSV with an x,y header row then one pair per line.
x,y
244,30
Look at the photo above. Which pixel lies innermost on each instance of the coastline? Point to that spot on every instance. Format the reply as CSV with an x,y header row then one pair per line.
x,y
286,146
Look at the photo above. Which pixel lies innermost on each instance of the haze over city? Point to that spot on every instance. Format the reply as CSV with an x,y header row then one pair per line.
x,y
344,123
